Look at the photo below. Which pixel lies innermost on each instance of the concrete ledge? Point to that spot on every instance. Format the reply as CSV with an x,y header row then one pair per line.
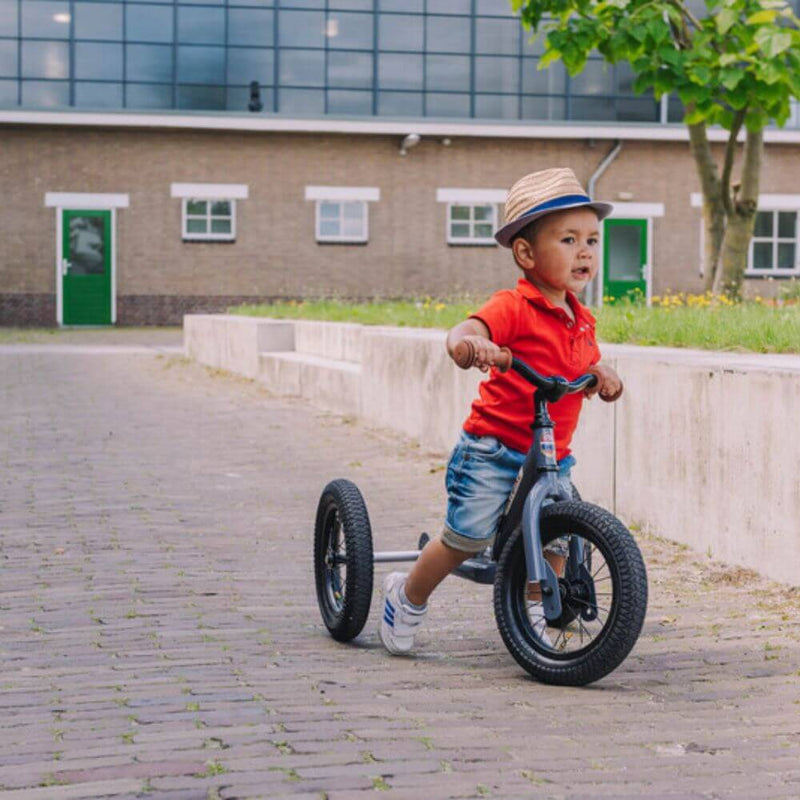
x,y
700,449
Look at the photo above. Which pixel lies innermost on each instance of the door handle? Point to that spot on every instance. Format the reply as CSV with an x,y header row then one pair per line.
x,y
65,265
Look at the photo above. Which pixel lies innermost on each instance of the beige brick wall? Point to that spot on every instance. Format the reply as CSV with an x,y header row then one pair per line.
x,y
276,253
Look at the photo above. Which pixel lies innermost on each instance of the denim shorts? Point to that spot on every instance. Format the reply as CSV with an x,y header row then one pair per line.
x,y
480,476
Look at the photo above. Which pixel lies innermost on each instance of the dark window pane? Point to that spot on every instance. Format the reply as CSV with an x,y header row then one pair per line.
x,y
448,35
148,23
302,101
497,36
196,207
9,93
250,26
144,96
40,94
45,59
47,20
350,31
344,102
787,222
220,226
249,64
543,81
449,7
302,29
302,68
447,105
98,95
644,110
786,256
201,97
447,73
397,71
221,208
543,108
98,61
98,21
496,74
8,17
149,62
201,64
351,70
596,78
196,226
591,108
400,104
8,59
495,106
762,255
399,32
201,25
763,224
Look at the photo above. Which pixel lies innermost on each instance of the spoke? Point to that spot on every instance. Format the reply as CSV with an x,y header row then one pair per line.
x,y
587,604
604,564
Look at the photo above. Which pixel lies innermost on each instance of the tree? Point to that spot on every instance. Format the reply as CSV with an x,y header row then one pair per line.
x,y
737,66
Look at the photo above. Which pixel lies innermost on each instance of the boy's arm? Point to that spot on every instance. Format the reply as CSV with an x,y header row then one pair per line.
x,y
476,332
609,384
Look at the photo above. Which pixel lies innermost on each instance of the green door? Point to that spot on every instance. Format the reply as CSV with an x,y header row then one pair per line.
x,y
625,258
86,267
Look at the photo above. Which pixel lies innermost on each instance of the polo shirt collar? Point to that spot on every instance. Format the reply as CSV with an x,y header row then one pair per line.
x,y
535,296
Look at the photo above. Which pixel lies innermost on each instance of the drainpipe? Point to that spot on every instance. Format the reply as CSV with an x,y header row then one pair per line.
x,y
597,286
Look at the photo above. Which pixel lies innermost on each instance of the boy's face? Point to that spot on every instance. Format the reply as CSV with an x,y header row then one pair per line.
x,y
564,253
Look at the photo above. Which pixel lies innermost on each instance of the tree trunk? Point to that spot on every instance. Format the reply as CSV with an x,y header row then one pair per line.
x,y
713,203
739,229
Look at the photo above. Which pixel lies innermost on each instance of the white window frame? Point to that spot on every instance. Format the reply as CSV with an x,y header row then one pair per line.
x,y
775,240
471,198
208,193
341,196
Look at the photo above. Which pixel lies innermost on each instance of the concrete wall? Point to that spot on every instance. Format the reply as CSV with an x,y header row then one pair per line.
x,y
700,449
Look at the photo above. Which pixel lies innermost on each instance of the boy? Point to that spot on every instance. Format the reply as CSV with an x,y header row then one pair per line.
x,y
552,229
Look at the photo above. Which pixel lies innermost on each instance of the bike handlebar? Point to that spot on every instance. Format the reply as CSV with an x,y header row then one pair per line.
x,y
464,356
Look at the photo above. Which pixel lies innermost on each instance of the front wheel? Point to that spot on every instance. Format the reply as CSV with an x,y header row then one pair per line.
x,y
603,589
343,559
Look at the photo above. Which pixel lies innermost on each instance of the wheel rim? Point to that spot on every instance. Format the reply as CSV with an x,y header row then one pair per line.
x,y
583,623
335,562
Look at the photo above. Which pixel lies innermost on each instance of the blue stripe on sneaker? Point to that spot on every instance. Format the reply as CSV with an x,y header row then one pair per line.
x,y
388,620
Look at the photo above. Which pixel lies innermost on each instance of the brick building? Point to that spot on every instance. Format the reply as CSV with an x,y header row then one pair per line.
x,y
165,157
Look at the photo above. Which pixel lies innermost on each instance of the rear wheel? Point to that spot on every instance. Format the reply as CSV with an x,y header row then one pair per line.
x,y
343,559
603,597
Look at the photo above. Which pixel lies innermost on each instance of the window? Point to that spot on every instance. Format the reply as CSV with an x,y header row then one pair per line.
x,y
773,248
209,220
471,224
341,212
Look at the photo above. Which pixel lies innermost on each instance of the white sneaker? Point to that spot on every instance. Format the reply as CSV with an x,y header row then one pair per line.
x,y
539,622
399,623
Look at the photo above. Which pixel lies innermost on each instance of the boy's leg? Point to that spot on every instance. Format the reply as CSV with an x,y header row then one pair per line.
x,y
434,564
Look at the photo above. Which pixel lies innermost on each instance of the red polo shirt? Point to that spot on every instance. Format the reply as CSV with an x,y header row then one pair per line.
x,y
544,336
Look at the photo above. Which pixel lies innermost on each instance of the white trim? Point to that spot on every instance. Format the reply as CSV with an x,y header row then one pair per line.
x,y
766,202
469,197
209,191
637,210
342,238
85,201
672,132
59,258
209,236
365,193
113,266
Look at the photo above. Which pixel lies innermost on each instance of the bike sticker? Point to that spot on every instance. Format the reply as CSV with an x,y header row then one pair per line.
x,y
547,445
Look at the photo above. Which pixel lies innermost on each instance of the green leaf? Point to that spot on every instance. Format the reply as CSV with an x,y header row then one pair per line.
x,y
725,20
694,117
762,17
731,78
773,42
726,59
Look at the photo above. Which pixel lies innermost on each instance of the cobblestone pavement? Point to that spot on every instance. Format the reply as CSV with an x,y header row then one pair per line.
x,y
160,638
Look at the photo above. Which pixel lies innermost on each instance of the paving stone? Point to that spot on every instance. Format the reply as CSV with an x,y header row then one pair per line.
x,y
160,637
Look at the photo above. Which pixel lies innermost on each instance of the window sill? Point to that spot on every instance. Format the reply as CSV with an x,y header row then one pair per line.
x,y
775,276
209,239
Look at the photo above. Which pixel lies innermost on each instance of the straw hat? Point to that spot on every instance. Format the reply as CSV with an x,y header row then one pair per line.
x,y
542,193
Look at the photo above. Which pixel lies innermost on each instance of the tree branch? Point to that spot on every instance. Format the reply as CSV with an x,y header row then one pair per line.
x,y
687,13
730,154
751,171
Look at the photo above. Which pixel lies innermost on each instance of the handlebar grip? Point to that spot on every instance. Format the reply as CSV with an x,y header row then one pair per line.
x,y
464,356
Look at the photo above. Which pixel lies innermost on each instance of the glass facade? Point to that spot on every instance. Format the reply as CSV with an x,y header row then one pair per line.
x,y
467,59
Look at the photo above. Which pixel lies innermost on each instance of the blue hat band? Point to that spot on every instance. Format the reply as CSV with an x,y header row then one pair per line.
x,y
559,202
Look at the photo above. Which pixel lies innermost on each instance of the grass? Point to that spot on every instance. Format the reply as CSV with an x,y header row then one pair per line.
x,y
694,321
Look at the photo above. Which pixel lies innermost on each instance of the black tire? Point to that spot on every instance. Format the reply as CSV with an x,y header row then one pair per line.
x,y
590,639
343,559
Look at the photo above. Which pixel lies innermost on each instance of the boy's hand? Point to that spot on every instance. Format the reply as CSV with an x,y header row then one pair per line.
x,y
609,384
486,351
